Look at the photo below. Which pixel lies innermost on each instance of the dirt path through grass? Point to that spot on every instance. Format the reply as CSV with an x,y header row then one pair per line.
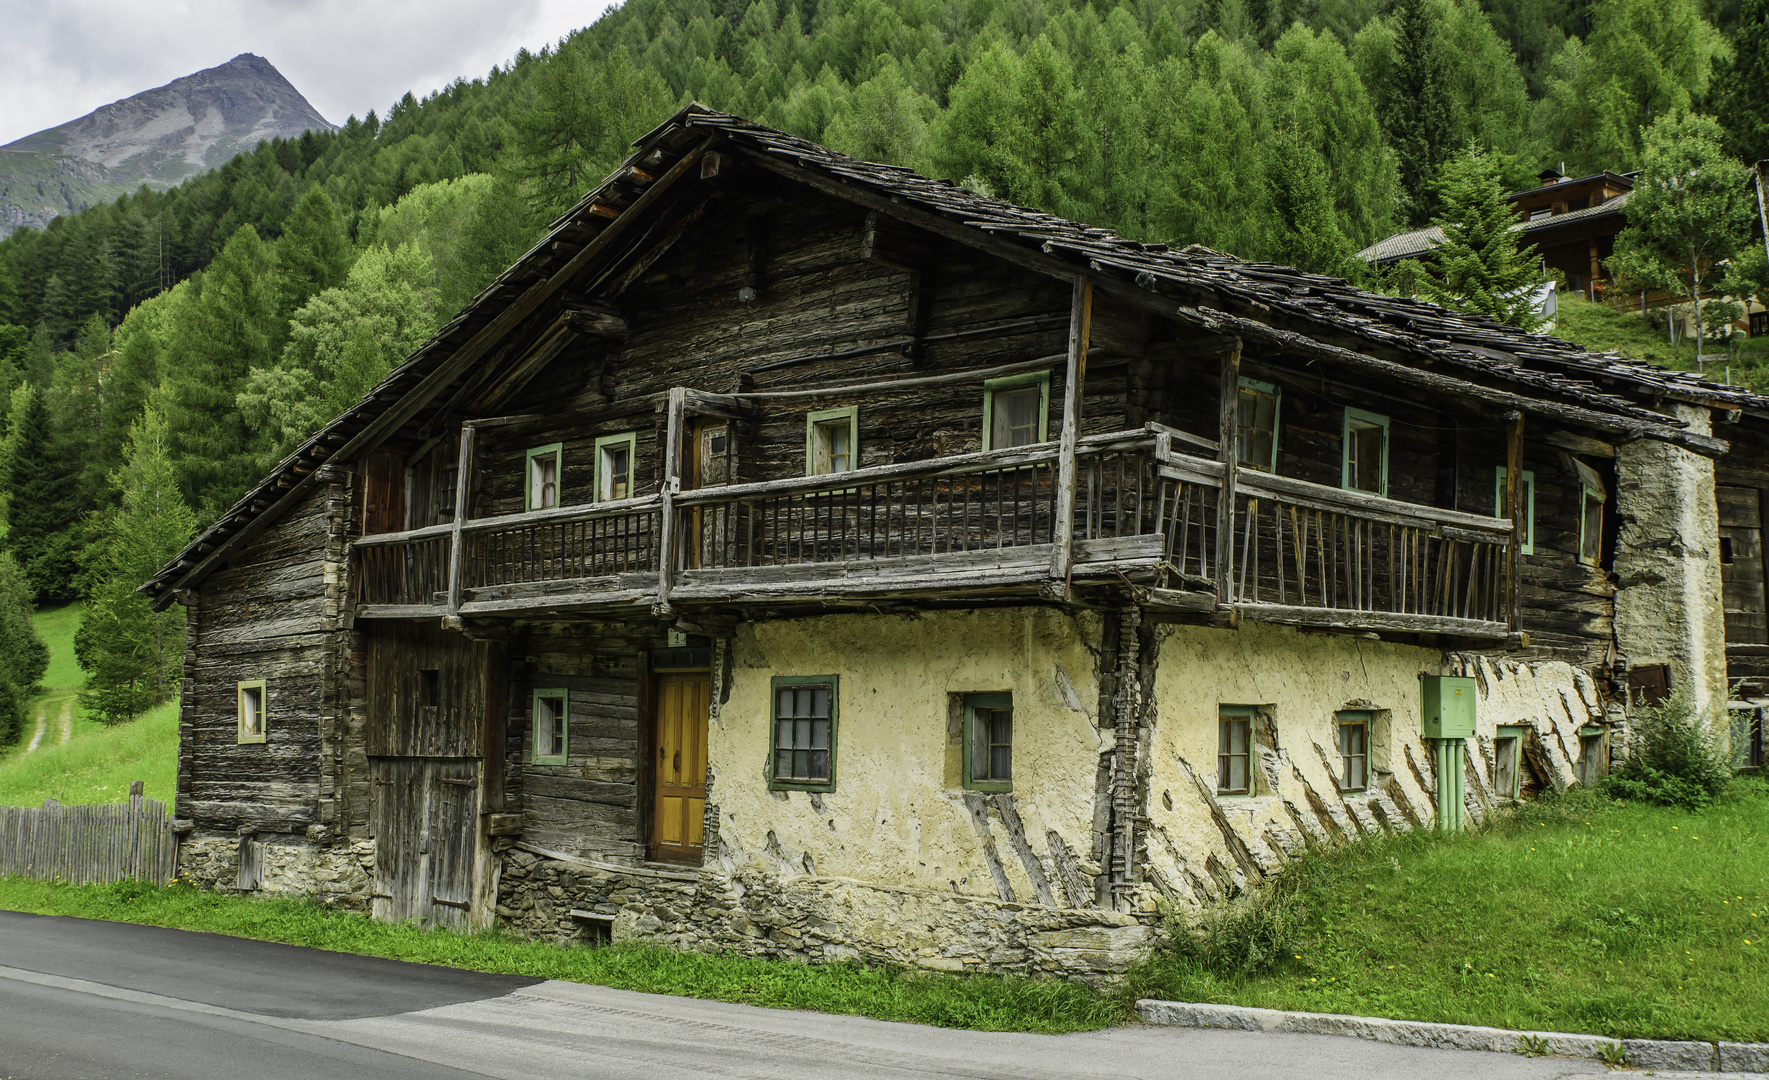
x,y
64,722
67,720
37,736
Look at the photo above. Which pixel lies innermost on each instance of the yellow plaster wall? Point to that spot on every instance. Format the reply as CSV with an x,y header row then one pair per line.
x,y
897,815
1203,846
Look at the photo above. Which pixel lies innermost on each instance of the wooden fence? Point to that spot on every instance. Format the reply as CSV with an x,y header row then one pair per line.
x,y
89,845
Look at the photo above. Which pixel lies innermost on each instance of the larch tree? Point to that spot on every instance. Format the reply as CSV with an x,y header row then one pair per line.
x,y
1307,235
130,652
314,253
1689,213
1481,267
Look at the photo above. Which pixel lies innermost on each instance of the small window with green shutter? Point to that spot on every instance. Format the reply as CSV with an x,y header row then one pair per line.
x,y
988,742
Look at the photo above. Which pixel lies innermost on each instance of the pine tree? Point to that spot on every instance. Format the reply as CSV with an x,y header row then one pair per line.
x,y
1416,112
43,513
129,651
314,252
1307,234
1740,92
224,329
23,655
1480,267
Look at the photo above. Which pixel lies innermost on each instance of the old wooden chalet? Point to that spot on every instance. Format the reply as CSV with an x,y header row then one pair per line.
x,y
804,556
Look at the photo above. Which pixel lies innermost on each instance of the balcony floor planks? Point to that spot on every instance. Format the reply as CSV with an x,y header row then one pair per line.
x,y
1354,619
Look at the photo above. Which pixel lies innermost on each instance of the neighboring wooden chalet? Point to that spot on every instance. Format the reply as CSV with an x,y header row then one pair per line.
x,y
803,556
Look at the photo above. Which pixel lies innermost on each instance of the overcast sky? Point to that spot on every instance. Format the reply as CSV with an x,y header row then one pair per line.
x,y
60,59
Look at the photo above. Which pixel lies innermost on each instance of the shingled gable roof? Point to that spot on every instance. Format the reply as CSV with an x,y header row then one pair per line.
x,y
1284,308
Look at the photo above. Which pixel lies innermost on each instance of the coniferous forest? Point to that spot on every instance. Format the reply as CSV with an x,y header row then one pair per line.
x,y
159,353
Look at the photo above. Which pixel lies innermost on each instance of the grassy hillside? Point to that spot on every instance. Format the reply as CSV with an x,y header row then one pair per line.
x,y
78,760
1601,328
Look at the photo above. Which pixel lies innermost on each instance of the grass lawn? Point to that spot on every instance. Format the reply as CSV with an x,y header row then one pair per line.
x,y
1580,915
98,763
979,1002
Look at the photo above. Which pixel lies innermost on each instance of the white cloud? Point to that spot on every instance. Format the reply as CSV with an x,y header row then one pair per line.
x,y
60,59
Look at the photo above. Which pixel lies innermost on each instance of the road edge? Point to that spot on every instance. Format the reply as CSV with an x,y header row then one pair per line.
x,y
1640,1053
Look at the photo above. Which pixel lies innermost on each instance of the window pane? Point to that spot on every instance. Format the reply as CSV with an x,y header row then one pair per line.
x,y
979,750
1015,417
1365,448
1001,726
783,765
783,702
1237,736
801,734
801,764
546,481
1591,538
820,701
819,766
1001,763
1255,428
819,734
1237,773
619,462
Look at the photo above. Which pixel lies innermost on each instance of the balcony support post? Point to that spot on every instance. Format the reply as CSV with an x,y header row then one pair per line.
x,y
1228,412
1516,511
1074,379
463,486
672,483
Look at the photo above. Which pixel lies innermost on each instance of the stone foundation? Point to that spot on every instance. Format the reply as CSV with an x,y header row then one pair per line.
x,y
336,876
814,919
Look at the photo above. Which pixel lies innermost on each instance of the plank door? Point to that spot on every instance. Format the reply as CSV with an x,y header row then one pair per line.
x,y
383,493
425,815
1741,564
709,465
682,709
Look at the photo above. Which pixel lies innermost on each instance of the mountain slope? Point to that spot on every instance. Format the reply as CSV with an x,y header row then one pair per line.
x,y
158,137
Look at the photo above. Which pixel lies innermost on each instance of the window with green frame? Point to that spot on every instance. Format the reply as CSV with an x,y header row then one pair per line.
x,y
1529,506
1234,750
552,727
542,489
805,711
988,742
253,701
1354,749
1591,503
1256,425
832,441
614,466
1016,410
1364,465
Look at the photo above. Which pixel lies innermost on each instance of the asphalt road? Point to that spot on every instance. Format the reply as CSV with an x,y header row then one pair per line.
x,y
83,1000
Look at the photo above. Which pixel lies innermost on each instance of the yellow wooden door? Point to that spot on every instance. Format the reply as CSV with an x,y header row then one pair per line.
x,y
682,708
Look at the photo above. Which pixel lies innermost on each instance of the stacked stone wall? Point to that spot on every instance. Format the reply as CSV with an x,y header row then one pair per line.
x,y
338,875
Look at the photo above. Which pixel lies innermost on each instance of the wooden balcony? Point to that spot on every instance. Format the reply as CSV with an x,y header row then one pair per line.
x,y
1143,516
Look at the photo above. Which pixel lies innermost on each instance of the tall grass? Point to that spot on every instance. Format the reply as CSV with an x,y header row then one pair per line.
x,y
1580,914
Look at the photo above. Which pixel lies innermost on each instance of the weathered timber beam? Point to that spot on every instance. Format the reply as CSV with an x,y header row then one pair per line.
x,y
555,341
1578,416
672,483
1080,318
1579,444
615,280
1355,619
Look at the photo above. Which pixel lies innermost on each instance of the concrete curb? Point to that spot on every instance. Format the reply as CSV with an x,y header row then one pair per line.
x,y
1640,1053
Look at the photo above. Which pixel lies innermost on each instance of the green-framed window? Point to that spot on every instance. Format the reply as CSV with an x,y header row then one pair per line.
x,y
1591,502
1508,760
544,465
805,711
552,727
1016,410
1354,749
1256,425
1529,505
1365,453
988,742
254,700
614,466
832,441
1234,750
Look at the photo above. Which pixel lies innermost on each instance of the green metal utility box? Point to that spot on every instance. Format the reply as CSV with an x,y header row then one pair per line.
x,y
1447,706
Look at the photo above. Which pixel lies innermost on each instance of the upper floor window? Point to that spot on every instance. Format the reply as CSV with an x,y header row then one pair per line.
x,y
614,466
551,727
832,441
1365,465
1256,426
1500,509
1016,410
543,477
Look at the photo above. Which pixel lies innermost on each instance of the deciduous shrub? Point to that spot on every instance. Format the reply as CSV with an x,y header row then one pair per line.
x,y
1674,756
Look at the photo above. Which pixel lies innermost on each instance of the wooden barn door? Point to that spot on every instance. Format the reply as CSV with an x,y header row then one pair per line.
x,y
682,708
429,716
1741,565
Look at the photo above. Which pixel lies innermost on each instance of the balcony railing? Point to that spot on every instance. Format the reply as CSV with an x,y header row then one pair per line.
x,y
1143,511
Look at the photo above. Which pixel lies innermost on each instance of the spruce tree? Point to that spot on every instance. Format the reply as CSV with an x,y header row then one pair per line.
x,y
1740,92
1480,268
1307,235
129,651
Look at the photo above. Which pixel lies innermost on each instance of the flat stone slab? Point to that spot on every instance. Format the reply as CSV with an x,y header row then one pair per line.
x,y
1640,1053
